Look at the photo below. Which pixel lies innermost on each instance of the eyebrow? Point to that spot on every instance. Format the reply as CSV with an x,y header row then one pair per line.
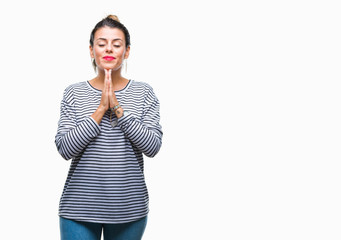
x,y
104,39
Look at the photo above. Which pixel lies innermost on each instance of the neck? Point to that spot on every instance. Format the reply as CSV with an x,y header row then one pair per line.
x,y
118,82
115,76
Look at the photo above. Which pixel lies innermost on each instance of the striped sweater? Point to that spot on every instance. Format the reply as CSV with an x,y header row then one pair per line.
x,y
105,183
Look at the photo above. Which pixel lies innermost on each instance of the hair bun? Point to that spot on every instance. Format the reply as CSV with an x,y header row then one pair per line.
x,y
113,17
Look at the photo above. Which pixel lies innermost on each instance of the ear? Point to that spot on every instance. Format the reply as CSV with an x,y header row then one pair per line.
x,y
91,52
126,55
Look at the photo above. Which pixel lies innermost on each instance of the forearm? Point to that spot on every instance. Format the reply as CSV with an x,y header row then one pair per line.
x,y
74,135
147,140
98,114
72,142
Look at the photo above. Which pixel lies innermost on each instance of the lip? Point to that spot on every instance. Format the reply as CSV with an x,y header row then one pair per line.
x,y
108,58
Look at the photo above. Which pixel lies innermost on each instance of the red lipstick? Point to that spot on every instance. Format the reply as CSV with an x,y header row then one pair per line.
x,y
108,58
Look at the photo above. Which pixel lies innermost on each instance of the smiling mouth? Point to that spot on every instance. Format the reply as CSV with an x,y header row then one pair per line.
x,y
108,58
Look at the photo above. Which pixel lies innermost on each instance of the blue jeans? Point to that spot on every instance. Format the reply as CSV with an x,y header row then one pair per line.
x,y
76,230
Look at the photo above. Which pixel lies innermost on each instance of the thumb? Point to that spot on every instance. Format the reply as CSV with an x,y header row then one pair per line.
x,y
108,74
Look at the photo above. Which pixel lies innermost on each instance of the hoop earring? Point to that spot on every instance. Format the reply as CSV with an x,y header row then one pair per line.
x,y
126,65
93,63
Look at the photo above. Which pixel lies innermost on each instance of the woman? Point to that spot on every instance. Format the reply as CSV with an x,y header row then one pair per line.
x,y
105,126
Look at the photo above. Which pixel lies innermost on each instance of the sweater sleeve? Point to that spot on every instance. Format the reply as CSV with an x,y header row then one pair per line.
x,y
146,135
73,137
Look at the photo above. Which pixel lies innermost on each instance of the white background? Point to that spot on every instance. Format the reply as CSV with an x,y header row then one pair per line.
x,y
250,107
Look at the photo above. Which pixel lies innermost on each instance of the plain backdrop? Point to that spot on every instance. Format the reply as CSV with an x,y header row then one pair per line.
x,y
250,109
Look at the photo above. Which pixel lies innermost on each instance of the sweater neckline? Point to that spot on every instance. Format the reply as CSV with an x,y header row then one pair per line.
x,y
100,91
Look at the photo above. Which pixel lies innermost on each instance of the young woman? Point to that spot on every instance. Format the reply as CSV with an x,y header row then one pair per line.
x,y
106,125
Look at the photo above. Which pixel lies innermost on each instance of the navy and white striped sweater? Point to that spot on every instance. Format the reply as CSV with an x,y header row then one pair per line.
x,y
105,183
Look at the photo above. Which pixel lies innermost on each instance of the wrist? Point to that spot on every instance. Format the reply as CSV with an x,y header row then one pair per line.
x,y
98,114
119,112
101,109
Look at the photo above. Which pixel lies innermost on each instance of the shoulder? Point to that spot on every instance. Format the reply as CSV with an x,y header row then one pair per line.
x,y
142,86
145,91
74,88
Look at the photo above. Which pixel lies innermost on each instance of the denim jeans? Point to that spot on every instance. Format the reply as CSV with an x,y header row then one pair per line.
x,y
76,230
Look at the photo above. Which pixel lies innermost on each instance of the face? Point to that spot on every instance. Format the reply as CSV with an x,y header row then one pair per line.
x,y
109,49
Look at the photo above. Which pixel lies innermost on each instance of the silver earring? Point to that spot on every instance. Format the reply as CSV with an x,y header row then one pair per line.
x,y
93,63
126,64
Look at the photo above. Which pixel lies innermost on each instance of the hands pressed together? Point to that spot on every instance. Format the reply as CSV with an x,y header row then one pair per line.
x,y
108,100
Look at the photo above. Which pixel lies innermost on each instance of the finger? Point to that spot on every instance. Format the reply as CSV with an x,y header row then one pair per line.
x,y
105,88
104,99
109,74
110,91
106,75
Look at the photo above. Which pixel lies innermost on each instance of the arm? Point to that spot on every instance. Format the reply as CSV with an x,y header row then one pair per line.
x,y
146,135
73,137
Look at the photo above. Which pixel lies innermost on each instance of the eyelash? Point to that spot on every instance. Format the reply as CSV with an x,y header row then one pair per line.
x,y
102,45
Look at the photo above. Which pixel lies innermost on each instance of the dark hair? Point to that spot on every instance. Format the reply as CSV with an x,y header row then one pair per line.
x,y
113,22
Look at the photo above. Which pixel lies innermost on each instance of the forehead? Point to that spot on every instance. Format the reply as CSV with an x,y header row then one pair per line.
x,y
109,33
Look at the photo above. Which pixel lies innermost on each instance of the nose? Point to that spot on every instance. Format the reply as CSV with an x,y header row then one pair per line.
x,y
109,48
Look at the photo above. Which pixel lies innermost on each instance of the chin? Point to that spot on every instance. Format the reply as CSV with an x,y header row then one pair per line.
x,y
110,66
113,68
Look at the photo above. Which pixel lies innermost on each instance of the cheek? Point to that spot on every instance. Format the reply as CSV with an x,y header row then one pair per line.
x,y
121,52
97,53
